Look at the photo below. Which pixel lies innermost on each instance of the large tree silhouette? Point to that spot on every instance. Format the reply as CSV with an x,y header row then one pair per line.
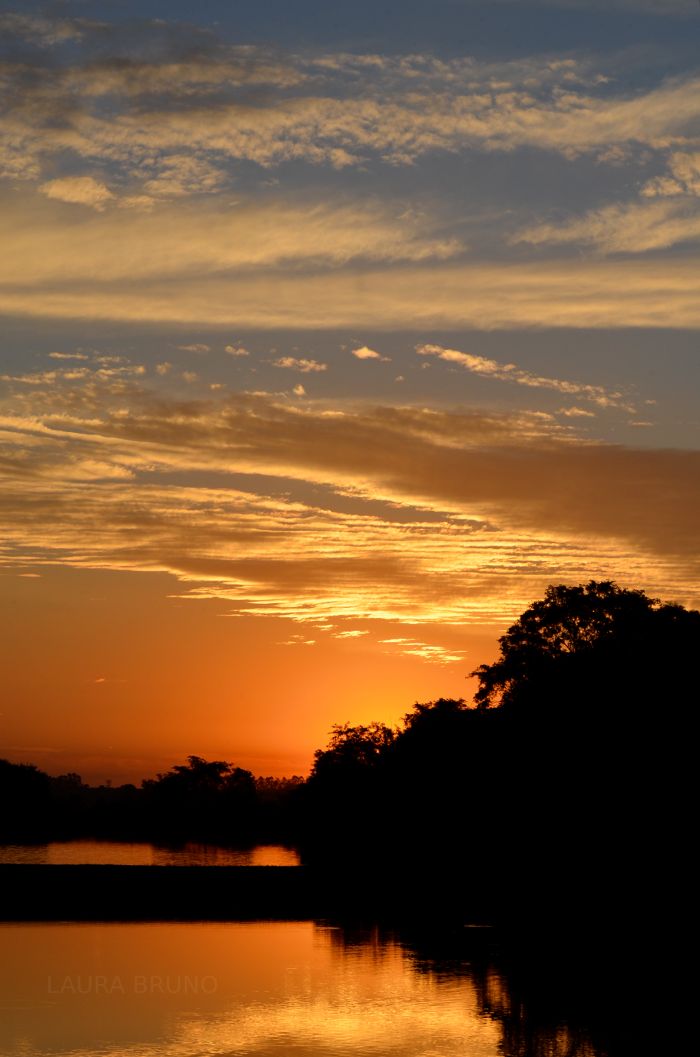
x,y
567,782
595,686
597,645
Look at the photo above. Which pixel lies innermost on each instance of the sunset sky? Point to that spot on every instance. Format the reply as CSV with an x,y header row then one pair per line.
x,y
332,333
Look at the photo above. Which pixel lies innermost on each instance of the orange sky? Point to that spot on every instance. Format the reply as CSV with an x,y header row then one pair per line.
x,y
327,345
107,676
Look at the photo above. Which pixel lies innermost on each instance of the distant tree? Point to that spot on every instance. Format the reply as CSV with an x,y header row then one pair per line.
x,y
279,803
201,799
25,804
352,750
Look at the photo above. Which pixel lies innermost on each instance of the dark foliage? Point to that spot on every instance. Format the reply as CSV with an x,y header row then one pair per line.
x,y
25,794
202,800
569,779
567,782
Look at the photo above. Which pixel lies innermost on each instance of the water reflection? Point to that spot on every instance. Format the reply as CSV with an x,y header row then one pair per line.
x,y
183,989
123,853
312,989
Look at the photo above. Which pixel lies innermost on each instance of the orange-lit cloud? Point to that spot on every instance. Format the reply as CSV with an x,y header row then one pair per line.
x,y
407,106
178,201
81,190
49,245
496,504
365,353
295,363
640,293
630,228
509,372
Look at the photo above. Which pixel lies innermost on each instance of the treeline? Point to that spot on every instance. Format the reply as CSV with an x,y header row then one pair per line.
x,y
570,777
201,800
570,772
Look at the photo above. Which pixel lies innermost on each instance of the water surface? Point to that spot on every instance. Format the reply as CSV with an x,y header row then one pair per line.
x,y
118,853
179,990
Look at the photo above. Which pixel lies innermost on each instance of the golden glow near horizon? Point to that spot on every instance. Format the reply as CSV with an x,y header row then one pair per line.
x,y
319,365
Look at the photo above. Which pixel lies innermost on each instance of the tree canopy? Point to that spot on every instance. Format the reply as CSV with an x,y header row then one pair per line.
x,y
599,634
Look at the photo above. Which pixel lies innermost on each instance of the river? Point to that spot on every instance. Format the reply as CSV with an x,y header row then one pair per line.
x,y
304,989
123,853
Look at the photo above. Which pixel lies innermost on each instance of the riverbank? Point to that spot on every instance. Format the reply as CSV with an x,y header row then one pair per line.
x,y
199,893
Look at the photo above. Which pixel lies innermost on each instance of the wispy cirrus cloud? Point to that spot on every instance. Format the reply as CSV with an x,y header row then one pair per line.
x,y
632,227
496,506
510,372
49,244
592,294
426,651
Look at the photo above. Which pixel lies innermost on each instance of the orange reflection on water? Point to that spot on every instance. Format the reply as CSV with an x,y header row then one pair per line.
x,y
124,853
254,988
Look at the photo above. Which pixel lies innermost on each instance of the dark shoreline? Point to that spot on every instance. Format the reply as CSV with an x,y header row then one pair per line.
x,y
38,892
45,893
42,892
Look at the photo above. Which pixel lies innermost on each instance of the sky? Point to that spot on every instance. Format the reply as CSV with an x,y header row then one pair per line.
x,y
332,334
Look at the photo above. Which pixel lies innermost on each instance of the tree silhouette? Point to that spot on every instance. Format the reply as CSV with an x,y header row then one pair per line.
x,y
352,750
593,684
201,799
597,640
25,793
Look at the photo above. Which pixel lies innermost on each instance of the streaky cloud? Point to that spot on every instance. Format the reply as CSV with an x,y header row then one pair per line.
x,y
509,372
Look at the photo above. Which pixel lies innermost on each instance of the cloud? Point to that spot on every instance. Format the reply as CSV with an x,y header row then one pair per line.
x,y
172,127
78,190
575,412
509,372
236,350
299,390
180,175
629,228
684,178
365,353
100,372
415,648
295,364
42,244
591,294
199,347
496,506
45,31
